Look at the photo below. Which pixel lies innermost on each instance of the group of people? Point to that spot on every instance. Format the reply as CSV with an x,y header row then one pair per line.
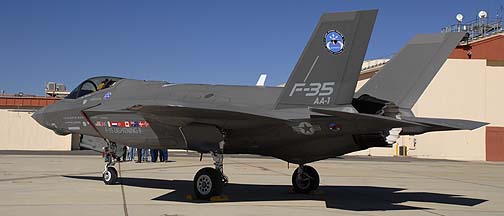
x,y
144,154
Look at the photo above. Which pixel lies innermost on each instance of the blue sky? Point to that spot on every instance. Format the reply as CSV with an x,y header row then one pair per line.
x,y
216,42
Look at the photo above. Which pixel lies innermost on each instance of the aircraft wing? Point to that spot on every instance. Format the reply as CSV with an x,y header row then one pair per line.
x,y
213,116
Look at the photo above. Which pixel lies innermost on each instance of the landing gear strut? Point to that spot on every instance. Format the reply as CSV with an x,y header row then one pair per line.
x,y
209,181
109,174
305,179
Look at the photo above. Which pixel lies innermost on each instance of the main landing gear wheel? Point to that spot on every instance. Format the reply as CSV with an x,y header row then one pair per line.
x,y
305,179
208,182
110,176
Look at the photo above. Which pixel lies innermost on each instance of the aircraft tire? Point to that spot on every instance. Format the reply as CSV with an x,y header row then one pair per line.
x,y
207,183
110,176
309,182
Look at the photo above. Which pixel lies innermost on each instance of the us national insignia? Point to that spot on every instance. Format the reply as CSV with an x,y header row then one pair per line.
x,y
306,128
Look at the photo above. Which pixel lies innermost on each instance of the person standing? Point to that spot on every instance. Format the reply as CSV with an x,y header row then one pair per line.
x,y
139,154
145,155
131,153
125,152
163,155
154,155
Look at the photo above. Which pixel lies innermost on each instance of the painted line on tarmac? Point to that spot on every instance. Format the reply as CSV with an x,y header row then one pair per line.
x,y
90,173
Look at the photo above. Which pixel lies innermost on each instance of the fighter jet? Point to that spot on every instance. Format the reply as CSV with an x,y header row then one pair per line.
x,y
317,115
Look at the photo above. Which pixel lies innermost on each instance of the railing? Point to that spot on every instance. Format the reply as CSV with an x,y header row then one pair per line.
x,y
478,28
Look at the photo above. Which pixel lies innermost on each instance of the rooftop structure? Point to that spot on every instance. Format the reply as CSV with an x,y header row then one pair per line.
x,y
25,102
476,29
54,89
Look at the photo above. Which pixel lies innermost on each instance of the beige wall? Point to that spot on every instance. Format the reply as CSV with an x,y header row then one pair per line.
x,y
18,131
457,91
360,83
463,89
495,95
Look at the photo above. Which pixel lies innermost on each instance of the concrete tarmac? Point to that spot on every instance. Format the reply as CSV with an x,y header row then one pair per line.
x,y
62,184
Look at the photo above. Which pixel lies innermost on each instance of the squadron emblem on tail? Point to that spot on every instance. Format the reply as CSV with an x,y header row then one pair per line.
x,y
334,42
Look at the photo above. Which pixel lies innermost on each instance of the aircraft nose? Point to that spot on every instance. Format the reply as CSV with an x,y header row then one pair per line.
x,y
39,116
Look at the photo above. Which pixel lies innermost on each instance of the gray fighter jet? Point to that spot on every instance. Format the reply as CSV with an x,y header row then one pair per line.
x,y
317,115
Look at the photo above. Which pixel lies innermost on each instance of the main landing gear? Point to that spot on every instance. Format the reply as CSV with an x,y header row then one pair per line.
x,y
208,182
305,179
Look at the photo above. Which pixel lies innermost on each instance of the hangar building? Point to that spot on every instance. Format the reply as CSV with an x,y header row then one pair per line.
x,y
18,131
468,86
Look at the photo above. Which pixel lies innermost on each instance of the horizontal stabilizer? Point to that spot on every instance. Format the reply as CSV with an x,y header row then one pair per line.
x,y
367,121
409,125
439,124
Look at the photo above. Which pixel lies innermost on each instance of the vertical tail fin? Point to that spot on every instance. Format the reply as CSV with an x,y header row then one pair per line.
x,y
327,71
261,80
404,78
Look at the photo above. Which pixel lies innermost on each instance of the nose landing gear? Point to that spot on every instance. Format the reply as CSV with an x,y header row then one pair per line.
x,y
110,174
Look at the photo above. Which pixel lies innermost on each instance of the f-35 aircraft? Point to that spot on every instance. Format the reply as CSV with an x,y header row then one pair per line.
x,y
317,115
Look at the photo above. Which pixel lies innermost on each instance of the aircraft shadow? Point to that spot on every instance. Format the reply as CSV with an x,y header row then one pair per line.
x,y
355,198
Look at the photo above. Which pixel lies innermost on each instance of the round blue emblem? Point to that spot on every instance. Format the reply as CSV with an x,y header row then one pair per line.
x,y
107,95
334,42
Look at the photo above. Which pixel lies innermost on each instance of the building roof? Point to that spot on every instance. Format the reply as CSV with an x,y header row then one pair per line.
x,y
17,102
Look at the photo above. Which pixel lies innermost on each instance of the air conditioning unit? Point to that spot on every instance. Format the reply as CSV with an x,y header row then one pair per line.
x,y
50,87
60,87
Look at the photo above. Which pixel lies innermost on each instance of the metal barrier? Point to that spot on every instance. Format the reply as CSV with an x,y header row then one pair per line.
x,y
478,28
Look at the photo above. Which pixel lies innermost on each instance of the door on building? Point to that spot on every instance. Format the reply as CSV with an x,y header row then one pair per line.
x,y
495,143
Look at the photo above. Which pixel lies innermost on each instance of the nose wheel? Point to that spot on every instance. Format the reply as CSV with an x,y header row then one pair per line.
x,y
305,179
110,176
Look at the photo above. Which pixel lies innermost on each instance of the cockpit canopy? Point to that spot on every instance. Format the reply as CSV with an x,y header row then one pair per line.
x,y
91,85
